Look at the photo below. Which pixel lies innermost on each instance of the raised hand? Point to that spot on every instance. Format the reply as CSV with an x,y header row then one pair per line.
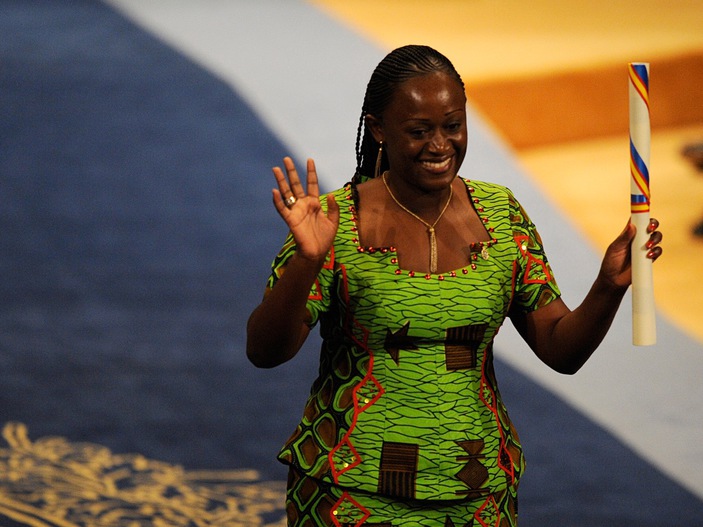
x,y
616,266
313,230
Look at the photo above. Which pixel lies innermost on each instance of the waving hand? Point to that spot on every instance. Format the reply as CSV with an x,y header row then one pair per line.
x,y
313,230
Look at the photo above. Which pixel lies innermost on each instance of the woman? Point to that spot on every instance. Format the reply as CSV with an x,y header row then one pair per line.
x,y
410,271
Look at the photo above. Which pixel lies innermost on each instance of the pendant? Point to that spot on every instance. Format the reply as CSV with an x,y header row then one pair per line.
x,y
484,253
433,250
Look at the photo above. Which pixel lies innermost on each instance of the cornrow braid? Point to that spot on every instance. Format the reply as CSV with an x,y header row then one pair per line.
x,y
397,67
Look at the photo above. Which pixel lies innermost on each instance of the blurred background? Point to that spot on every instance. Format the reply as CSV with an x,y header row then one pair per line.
x,y
136,143
548,76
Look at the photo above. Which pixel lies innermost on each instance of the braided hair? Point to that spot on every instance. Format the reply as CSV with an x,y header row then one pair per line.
x,y
397,67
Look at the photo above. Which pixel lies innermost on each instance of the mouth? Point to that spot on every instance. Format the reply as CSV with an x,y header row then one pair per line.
x,y
437,167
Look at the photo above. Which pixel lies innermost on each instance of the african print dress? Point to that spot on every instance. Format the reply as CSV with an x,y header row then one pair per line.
x,y
406,403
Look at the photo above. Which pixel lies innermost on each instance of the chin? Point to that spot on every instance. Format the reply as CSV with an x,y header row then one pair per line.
x,y
442,178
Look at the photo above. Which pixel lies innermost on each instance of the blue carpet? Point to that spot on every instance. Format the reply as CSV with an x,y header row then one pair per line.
x,y
136,231
134,243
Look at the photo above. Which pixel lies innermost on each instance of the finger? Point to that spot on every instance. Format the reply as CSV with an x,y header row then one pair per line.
x,y
654,239
288,195
282,182
296,187
279,203
653,225
332,209
313,187
654,253
627,234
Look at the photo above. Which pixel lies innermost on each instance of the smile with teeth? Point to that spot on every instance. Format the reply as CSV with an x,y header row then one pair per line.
x,y
437,165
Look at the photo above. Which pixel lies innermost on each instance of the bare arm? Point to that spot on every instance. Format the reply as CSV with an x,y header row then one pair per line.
x,y
565,339
277,328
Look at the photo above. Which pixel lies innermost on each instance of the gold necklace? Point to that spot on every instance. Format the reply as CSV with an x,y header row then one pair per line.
x,y
430,227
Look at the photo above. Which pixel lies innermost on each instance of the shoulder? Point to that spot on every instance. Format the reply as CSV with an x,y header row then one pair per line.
x,y
490,194
340,195
487,187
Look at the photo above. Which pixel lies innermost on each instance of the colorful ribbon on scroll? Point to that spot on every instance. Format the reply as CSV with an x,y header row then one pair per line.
x,y
639,188
643,310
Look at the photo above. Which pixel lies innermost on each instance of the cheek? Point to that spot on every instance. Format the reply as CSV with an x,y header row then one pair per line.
x,y
461,146
408,148
461,141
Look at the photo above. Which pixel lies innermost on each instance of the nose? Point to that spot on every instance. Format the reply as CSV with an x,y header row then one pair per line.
x,y
439,143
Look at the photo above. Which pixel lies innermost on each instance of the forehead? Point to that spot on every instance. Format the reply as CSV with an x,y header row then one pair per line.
x,y
430,93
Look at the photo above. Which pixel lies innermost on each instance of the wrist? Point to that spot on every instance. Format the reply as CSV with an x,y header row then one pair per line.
x,y
312,262
606,285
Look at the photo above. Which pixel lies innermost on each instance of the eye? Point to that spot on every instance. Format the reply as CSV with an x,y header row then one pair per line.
x,y
418,133
453,127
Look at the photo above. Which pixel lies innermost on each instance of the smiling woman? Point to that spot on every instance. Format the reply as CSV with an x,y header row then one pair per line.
x,y
424,130
411,270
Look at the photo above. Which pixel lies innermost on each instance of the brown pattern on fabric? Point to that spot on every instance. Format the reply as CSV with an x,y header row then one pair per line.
x,y
304,502
473,474
398,469
394,342
461,346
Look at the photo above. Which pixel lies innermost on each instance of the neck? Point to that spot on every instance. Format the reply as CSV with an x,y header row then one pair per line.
x,y
430,225
425,203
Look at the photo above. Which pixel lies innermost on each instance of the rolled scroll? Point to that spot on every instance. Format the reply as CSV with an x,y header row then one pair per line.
x,y
644,331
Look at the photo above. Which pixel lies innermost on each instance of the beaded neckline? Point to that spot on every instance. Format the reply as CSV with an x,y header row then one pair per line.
x,y
478,250
430,226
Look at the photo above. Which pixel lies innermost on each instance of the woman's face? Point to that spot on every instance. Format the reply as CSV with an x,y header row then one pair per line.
x,y
424,131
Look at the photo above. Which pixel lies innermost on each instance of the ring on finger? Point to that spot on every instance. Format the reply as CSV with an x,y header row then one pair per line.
x,y
290,201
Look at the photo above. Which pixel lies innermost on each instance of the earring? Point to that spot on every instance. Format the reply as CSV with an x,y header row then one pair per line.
x,y
379,158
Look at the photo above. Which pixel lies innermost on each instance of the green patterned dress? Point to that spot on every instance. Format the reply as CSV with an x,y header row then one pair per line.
x,y
406,405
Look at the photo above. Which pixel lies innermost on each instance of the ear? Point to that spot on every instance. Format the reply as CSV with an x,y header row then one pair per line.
x,y
375,126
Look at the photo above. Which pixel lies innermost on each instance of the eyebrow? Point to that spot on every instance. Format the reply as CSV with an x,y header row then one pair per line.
x,y
421,119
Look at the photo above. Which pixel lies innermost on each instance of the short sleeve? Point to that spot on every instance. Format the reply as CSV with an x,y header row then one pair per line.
x,y
534,283
320,293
